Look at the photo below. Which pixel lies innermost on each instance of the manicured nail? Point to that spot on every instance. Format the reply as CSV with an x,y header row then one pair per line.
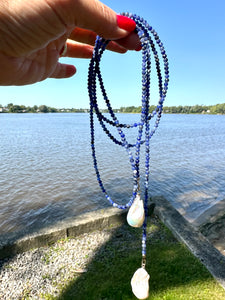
x,y
126,23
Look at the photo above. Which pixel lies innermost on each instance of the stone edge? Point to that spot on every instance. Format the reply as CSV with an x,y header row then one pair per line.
x,y
211,215
213,260
199,246
81,224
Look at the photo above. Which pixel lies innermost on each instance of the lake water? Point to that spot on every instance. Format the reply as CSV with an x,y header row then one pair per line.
x,y
47,175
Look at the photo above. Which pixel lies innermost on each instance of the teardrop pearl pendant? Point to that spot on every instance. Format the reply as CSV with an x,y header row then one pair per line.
x,y
136,213
140,284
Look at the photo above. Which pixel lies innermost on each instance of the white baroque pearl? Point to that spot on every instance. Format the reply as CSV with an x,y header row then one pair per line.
x,y
140,284
136,213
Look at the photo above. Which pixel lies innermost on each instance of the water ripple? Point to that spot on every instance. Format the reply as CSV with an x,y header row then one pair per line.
x,y
46,171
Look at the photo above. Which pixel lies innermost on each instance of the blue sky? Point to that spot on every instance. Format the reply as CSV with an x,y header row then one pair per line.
x,y
193,33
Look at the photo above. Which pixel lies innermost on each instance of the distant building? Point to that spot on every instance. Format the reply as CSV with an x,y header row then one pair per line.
x,y
3,109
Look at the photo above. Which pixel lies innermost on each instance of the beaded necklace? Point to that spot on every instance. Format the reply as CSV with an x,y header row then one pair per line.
x,y
138,209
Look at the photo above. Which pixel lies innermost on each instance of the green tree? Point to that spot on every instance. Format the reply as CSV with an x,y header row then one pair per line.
x,y
15,109
52,109
35,108
9,105
43,108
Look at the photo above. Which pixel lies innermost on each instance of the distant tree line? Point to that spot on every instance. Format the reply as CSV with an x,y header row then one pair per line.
x,y
12,108
195,109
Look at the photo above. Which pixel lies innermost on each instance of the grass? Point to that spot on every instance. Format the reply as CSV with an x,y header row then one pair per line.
x,y
175,272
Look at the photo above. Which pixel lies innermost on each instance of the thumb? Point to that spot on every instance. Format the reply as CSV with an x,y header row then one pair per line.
x,y
96,16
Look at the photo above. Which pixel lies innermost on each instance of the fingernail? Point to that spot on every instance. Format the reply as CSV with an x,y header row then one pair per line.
x,y
126,23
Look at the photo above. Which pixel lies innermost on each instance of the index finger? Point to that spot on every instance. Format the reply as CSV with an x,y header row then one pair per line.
x,y
95,16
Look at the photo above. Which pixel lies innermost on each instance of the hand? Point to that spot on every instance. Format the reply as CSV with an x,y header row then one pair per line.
x,y
33,34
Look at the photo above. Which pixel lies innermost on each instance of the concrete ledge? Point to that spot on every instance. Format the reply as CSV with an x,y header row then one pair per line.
x,y
70,228
181,228
213,260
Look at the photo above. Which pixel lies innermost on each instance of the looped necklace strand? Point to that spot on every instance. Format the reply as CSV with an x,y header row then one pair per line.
x,y
138,211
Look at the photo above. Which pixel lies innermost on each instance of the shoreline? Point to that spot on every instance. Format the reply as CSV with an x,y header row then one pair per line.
x,y
44,272
211,224
105,219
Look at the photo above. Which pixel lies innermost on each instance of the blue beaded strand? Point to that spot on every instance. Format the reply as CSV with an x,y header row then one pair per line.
x,y
149,41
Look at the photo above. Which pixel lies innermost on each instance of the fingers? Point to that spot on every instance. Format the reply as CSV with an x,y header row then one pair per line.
x,y
83,36
91,17
95,16
78,50
88,37
130,42
63,71
113,46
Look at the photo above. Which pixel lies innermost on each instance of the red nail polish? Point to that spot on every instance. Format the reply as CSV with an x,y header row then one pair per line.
x,y
126,23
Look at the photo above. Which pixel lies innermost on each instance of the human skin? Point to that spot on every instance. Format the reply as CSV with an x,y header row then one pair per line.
x,y
33,34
